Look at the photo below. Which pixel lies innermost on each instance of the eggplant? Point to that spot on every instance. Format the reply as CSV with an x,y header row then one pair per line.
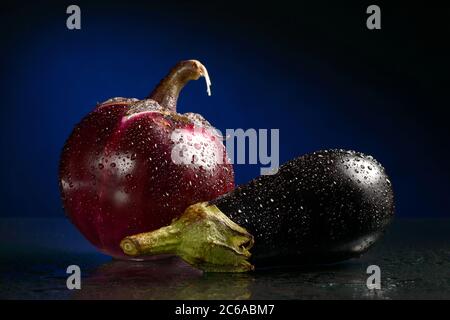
x,y
323,207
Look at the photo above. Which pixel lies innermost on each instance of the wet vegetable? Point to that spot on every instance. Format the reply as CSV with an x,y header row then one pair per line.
x,y
323,207
133,165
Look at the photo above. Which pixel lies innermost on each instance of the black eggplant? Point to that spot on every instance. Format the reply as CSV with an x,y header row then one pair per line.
x,y
323,207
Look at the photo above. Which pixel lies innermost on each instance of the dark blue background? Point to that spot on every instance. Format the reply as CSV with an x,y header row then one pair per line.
x,y
313,71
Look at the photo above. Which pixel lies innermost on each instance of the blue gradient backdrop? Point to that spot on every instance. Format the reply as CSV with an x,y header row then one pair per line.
x,y
323,80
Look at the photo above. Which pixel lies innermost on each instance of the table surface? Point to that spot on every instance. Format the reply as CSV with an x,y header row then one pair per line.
x,y
414,258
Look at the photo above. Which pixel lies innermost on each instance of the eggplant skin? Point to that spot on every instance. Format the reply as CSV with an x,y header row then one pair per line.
x,y
322,207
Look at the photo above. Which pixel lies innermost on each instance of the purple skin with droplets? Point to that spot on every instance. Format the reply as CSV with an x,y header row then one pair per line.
x,y
117,171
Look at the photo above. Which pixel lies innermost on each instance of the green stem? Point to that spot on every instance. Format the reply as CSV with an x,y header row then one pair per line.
x,y
203,236
161,241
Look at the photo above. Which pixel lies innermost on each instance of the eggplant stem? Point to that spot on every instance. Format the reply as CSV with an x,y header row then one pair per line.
x,y
202,236
167,91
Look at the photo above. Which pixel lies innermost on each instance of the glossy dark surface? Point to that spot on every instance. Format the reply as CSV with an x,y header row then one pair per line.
x,y
414,258
325,206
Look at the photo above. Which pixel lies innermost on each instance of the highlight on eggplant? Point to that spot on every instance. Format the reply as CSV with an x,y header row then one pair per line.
x,y
323,207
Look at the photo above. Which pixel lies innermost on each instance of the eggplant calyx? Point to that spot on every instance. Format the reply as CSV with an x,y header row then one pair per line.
x,y
202,236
